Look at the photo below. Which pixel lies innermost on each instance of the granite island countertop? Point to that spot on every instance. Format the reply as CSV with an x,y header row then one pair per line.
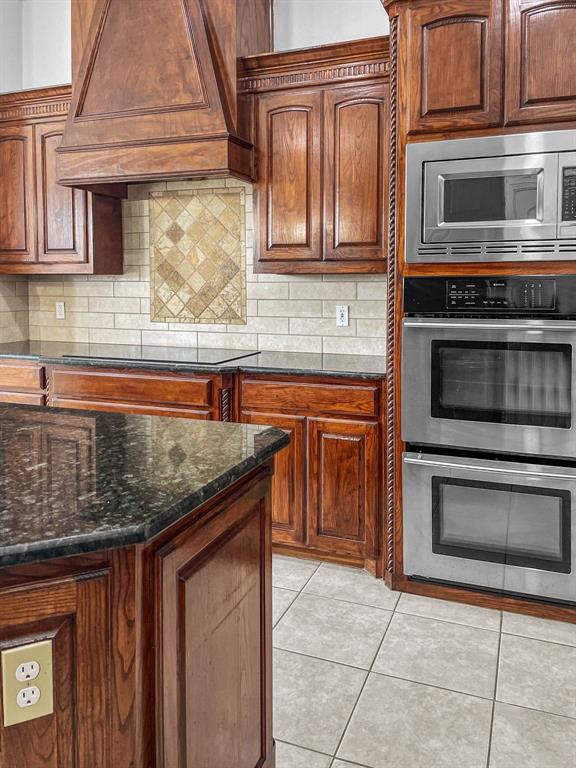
x,y
193,359
80,481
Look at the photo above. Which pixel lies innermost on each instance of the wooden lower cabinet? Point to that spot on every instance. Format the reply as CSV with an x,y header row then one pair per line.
x,y
328,484
22,383
162,651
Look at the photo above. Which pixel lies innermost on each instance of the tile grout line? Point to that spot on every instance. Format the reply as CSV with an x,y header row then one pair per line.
x,y
491,730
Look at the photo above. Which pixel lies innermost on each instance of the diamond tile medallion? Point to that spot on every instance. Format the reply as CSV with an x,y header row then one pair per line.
x,y
198,256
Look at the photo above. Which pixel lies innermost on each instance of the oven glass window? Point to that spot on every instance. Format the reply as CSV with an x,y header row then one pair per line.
x,y
502,523
491,198
502,382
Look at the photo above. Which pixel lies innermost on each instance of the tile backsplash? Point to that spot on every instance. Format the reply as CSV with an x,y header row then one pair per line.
x,y
295,313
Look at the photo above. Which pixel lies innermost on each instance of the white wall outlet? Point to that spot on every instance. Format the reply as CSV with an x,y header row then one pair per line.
x,y
27,671
60,310
28,697
27,682
342,315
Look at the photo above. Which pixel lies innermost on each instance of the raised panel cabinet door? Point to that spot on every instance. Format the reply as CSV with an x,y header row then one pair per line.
x,y
540,61
17,224
343,486
355,171
61,211
289,481
454,65
289,176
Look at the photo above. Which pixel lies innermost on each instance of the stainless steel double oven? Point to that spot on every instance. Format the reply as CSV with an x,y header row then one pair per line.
x,y
489,419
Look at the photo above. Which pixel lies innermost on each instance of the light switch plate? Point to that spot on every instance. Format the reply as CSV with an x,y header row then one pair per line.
x,y
12,658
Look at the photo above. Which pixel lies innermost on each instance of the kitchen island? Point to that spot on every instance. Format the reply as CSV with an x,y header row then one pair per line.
x,y
139,547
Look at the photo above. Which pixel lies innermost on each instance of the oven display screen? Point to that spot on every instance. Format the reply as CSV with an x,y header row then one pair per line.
x,y
501,294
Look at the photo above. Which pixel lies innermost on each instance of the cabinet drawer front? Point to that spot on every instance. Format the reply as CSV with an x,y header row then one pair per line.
x,y
16,377
136,388
22,398
142,410
311,398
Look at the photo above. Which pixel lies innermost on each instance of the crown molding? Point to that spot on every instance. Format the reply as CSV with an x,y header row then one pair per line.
x,y
35,104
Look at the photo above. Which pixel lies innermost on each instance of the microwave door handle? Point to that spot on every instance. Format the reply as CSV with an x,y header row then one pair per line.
x,y
490,470
508,326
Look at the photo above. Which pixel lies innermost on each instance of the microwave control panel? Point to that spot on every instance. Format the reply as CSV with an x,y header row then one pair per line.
x,y
501,294
569,194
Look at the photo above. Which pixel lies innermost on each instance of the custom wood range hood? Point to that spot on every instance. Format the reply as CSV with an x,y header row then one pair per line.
x,y
155,90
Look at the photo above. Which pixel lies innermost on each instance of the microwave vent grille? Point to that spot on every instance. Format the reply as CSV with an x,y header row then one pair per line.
x,y
537,250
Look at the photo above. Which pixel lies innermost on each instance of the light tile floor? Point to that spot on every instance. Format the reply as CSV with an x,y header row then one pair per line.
x,y
370,678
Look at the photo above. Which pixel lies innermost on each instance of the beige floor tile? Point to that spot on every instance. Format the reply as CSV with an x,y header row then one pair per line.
x,y
352,584
282,599
439,653
539,629
446,610
292,572
288,756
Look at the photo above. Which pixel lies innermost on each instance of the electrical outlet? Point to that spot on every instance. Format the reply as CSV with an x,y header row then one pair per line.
x,y
342,315
27,682
60,310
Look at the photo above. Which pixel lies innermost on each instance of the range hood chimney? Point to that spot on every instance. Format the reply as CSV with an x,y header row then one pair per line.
x,y
155,96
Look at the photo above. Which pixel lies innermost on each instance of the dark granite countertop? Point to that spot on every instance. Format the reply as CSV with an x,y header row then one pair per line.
x,y
192,359
82,481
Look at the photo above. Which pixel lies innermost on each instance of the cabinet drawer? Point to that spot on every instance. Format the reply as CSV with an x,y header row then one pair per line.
x,y
310,398
139,388
22,398
21,376
134,408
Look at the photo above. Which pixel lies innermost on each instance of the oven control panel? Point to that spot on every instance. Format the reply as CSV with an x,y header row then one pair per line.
x,y
569,194
501,294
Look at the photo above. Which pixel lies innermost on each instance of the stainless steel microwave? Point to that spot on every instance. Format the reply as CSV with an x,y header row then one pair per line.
x,y
500,198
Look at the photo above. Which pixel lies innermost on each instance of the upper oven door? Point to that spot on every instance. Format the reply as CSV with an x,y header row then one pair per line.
x,y
504,386
491,199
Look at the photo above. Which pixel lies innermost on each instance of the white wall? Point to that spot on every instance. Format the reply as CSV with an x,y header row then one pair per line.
x,y
10,45
304,23
46,50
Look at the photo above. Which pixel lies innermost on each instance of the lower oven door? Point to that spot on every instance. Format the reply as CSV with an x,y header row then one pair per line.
x,y
497,525
505,385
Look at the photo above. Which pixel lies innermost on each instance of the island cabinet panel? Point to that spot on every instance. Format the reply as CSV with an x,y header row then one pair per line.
x,y
453,64
289,481
343,485
193,396
73,612
289,212
328,485
215,630
540,61
356,139
17,226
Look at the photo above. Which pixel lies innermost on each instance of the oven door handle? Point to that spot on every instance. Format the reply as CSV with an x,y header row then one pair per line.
x,y
491,470
509,326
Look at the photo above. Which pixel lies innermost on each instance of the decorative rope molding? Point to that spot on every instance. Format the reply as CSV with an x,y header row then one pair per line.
x,y
391,310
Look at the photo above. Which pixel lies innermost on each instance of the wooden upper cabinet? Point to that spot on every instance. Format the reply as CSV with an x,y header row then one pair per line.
x,y
17,226
61,211
540,61
322,157
289,210
453,65
355,147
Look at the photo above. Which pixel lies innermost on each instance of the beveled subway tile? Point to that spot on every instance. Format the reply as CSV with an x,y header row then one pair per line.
x,y
539,629
289,756
439,653
526,738
446,610
537,675
352,584
400,724
313,700
292,572
282,599
334,630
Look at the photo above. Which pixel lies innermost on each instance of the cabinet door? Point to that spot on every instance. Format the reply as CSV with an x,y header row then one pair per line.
x,y
62,231
355,172
17,225
288,483
453,65
540,61
343,486
289,168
